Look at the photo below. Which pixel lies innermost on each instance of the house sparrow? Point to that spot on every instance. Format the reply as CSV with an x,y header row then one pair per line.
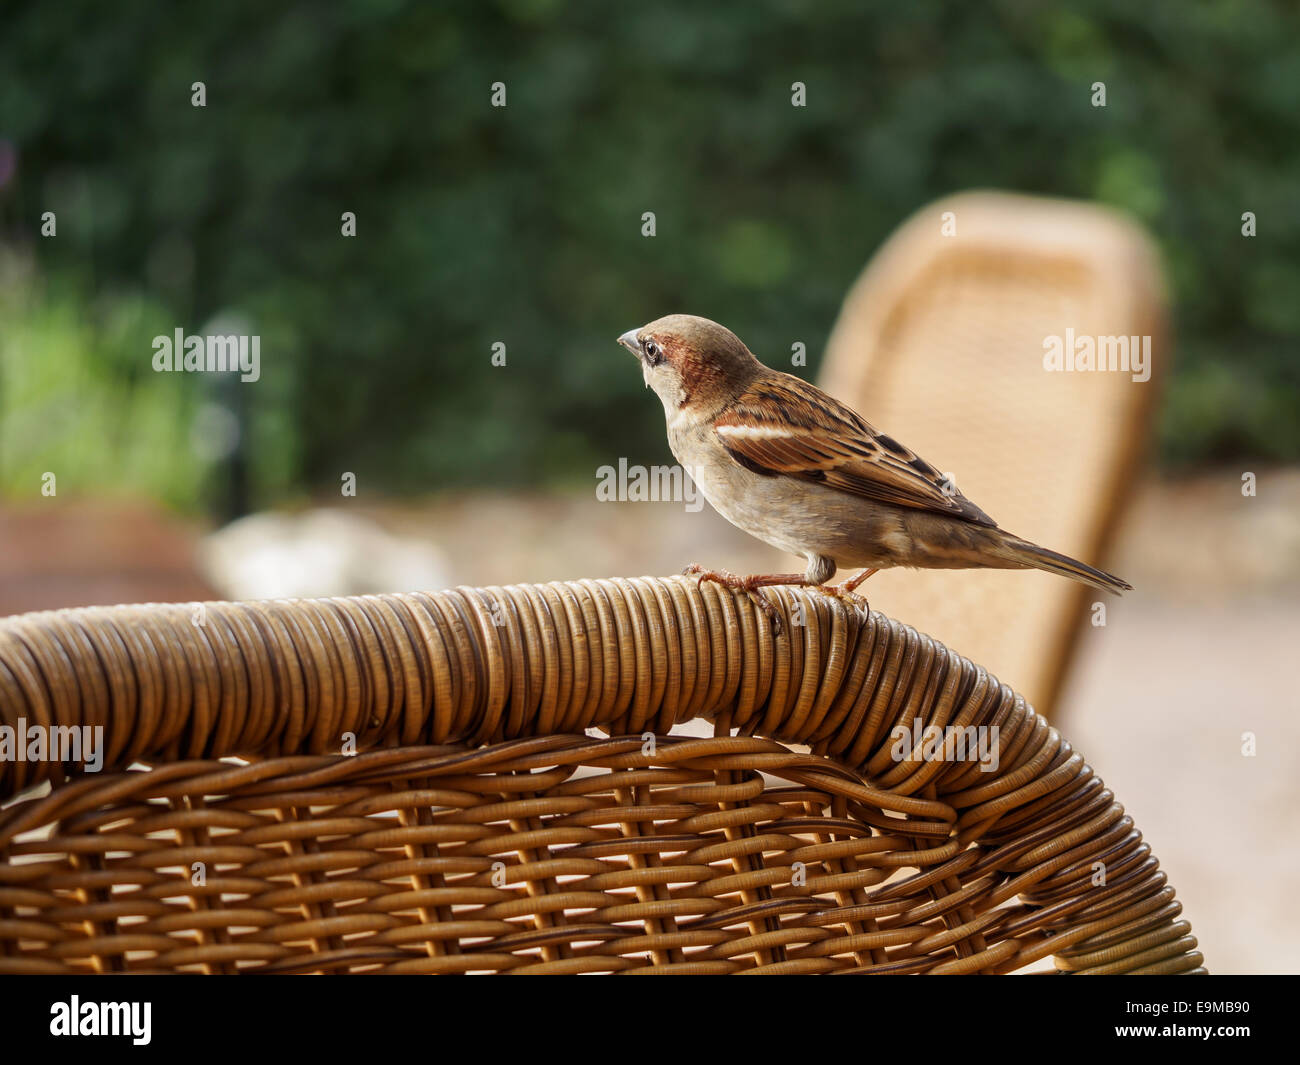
x,y
796,468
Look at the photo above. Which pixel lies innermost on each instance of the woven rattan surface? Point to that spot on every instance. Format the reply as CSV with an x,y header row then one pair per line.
x,y
940,343
479,828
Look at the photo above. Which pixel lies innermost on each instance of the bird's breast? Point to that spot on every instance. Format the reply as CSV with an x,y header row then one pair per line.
x,y
796,516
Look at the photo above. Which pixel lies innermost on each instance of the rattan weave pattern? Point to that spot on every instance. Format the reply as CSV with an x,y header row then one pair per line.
x,y
480,828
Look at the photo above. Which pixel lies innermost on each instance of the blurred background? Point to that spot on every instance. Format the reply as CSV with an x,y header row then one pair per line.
x,y
524,225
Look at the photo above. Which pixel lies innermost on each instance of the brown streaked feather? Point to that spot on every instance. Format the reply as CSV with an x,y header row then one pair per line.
x,y
783,425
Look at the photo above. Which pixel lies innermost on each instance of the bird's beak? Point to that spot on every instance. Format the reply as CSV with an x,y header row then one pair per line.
x,y
629,341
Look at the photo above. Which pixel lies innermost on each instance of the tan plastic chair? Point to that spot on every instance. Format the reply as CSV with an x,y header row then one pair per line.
x,y
940,343
480,828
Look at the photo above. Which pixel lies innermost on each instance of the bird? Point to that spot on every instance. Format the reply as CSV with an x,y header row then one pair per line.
x,y
796,468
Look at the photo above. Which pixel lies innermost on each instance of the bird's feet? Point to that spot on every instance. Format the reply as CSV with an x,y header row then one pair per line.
x,y
749,585
844,591
844,595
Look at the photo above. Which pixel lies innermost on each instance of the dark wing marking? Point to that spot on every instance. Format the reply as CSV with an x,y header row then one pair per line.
x,y
780,425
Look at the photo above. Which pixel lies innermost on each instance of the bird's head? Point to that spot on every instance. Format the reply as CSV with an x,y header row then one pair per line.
x,y
695,366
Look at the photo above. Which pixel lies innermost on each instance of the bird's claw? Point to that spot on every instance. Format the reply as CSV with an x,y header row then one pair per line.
x,y
845,595
742,584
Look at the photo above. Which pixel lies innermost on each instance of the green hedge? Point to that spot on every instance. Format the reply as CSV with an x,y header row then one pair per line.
x,y
522,224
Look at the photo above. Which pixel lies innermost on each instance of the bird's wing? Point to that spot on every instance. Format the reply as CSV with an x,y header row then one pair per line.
x,y
782,425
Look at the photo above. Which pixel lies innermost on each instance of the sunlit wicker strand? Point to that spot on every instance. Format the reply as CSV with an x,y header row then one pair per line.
x,y
468,708
387,861
193,680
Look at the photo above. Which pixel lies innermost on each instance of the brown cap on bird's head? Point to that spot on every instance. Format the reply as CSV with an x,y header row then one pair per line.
x,y
687,359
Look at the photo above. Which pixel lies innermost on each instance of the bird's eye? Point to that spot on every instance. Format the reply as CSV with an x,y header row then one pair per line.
x,y
652,353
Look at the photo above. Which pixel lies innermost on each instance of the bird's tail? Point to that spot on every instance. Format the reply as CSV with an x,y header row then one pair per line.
x,y
1033,556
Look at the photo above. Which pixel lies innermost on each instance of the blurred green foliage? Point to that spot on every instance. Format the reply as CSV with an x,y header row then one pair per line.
x,y
523,224
79,402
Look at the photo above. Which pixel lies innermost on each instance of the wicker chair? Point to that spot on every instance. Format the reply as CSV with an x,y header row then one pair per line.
x,y
940,343
482,828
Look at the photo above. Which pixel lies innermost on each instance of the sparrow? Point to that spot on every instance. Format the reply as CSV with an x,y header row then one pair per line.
x,y
801,471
